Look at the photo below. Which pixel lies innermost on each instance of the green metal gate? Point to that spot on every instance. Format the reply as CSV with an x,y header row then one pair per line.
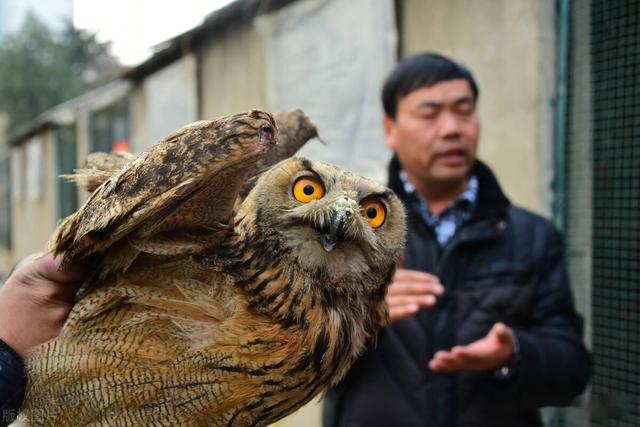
x,y
5,199
602,199
66,162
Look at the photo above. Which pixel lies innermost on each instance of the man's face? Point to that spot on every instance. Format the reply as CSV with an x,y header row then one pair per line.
x,y
435,133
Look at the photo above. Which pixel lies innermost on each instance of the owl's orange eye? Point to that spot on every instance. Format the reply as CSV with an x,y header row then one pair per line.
x,y
307,189
375,212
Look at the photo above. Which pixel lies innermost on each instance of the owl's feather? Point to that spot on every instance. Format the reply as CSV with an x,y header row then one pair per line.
x,y
238,324
98,168
157,191
295,130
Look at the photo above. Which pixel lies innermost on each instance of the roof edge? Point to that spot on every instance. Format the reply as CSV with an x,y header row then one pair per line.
x,y
239,11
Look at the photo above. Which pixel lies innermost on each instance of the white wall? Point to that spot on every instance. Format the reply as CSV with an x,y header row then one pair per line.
x,y
171,99
330,57
509,47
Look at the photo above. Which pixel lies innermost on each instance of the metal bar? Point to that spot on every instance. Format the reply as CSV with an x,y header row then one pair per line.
x,y
560,122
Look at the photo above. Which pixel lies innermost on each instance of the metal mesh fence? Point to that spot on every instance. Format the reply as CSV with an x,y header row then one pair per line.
x,y
615,42
603,198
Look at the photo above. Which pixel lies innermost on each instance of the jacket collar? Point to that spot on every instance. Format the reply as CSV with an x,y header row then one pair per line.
x,y
491,200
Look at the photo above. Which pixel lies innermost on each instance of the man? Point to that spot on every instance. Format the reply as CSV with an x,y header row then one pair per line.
x,y
483,327
34,304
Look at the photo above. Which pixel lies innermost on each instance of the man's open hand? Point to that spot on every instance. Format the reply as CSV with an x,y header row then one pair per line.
x,y
491,352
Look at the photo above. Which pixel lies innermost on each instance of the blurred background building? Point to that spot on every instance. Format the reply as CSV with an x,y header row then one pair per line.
x,y
559,104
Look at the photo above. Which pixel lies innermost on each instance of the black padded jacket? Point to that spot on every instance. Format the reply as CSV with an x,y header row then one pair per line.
x,y
13,382
503,265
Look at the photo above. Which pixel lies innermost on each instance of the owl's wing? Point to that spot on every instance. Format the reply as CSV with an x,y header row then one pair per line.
x,y
206,161
203,208
98,168
295,129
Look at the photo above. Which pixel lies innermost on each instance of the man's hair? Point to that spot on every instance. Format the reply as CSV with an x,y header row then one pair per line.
x,y
419,71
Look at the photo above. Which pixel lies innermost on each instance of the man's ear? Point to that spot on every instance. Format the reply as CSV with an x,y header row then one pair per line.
x,y
389,127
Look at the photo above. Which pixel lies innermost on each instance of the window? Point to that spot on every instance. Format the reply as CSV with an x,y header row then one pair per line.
x,y
109,127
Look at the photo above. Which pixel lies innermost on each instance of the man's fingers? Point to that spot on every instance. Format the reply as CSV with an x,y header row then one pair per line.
x,y
442,356
463,354
44,271
410,291
402,312
48,267
444,361
414,276
419,300
503,333
460,358
490,352
498,329
415,288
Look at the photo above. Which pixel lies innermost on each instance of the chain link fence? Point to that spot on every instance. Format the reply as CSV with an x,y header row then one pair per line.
x,y
602,202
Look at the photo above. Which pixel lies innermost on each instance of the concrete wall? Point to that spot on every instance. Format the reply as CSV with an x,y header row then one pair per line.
x,y
508,45
232,72
329,59
170,100
163,102
139,129
33,212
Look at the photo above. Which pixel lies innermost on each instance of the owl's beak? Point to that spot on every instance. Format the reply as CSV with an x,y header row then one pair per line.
x,y
330,240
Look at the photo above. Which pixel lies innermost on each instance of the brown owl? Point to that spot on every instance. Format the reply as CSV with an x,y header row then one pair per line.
x,y
210,311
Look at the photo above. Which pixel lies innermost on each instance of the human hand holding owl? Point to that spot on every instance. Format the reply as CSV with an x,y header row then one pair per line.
x,y
35,301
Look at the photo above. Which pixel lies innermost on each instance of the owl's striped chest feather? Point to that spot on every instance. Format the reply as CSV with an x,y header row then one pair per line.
x,y
193,346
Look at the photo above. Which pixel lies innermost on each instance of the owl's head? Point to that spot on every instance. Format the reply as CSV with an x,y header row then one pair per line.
x,y
334,223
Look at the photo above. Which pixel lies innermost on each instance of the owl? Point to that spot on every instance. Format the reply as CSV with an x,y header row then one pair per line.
x,y
212,308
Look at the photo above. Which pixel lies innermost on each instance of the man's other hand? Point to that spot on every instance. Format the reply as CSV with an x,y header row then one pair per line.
x,y
410,291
